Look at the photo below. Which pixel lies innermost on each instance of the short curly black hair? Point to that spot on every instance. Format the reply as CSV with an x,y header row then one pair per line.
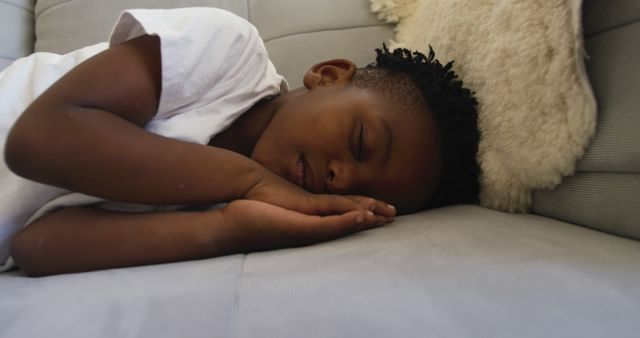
x,y
417,80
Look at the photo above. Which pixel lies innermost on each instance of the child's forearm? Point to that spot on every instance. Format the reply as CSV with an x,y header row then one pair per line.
x,y
85,239
98,153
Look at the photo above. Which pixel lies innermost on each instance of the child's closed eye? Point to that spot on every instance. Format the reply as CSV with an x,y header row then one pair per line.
x,y
361,142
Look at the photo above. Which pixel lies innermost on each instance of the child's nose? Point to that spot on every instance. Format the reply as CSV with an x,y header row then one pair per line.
x,y
339,178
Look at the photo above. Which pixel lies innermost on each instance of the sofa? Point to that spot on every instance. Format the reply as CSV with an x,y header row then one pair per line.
x,y
570,268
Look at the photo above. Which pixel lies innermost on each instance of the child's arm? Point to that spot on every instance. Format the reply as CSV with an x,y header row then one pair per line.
x,y
85,133
84,239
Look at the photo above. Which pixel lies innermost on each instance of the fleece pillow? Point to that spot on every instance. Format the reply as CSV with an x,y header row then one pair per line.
x,y
524,61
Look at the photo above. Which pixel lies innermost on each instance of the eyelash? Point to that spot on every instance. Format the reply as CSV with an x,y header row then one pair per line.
x,y
360,142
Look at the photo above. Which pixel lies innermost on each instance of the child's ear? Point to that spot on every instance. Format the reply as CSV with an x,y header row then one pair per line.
x,y
329,72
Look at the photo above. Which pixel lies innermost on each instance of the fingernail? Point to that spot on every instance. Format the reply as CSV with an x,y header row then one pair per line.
x,y
391,206
370,212
372,207
359,219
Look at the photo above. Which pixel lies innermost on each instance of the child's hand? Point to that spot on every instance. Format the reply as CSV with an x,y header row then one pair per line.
x,y
278,191
255,226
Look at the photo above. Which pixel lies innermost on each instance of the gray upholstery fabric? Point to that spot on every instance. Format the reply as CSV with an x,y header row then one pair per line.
x,y
274,22
605,193
295,42
614,70
454,272
599,200
66,25
604,15
16,30
194,299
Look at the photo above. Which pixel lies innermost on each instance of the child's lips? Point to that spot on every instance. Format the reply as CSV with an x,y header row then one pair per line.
x,y
300,172
303,176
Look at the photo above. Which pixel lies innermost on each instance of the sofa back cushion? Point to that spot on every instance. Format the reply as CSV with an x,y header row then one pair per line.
x,y
66,25
16,30
297,34
604,193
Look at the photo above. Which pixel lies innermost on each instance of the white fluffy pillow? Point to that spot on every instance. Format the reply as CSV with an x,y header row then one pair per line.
x,y
524,60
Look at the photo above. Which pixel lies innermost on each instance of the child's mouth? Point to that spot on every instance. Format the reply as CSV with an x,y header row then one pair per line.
x,y
301,172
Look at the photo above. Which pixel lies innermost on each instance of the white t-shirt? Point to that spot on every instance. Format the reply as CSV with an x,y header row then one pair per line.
x,y
214,68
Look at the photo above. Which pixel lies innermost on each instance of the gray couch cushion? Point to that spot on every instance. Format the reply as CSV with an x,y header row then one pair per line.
x,y
193,299
614,70
460,271
340,29
606,201
605,194
454,272
66,25
601,15
16,30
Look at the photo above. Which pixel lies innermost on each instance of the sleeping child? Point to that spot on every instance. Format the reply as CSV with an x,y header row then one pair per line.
x,y
178,140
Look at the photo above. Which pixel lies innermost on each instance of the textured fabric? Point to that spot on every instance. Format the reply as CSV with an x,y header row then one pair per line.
x,y
192,299
524,61
454,272
604,201
614,69
605,192
601,15
16,30
66,25
323,15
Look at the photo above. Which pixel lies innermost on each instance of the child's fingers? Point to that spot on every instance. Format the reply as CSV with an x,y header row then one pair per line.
x,y
314,229
332,205
376,206
286,228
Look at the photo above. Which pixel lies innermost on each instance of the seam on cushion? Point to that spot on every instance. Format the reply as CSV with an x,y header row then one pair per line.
x,y
8,58
248,4
237,298
620,172
324,30
54,7
612,28
17,6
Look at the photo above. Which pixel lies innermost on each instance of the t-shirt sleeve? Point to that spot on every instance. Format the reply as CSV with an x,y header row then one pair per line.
x,y
206,53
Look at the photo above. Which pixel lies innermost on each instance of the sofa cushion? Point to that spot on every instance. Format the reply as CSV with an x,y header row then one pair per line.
x,y
16,30
606,191
332,29
606,201
66,25
459,271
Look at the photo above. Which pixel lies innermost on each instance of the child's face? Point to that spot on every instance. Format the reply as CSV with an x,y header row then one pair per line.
x,y
346,140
